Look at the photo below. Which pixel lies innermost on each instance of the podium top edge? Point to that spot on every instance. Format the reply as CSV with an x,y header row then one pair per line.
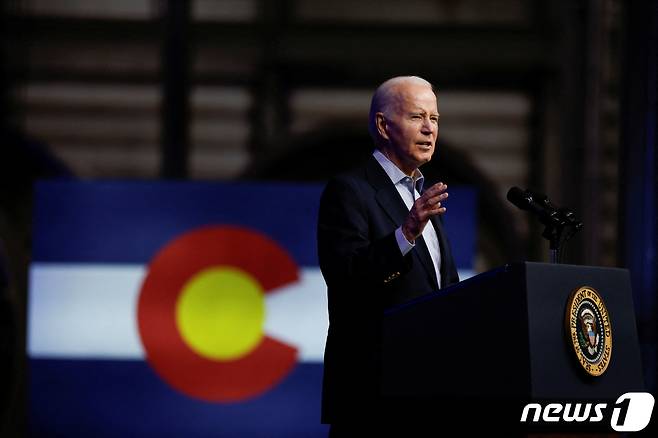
x,y
506,269
566,265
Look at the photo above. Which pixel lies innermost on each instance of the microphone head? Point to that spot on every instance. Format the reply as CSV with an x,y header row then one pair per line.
x,y
520,198
541,199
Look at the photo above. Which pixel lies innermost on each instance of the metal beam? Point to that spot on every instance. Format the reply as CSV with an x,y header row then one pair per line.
x,y
175,89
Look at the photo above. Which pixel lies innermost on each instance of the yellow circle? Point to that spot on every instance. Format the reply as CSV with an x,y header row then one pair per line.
x,y
220,313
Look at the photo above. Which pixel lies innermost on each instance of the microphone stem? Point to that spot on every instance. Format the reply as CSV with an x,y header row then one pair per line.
x,y
554,256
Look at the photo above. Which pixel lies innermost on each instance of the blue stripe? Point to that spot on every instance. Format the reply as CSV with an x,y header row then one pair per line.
x,y
459,223
128,222
70,398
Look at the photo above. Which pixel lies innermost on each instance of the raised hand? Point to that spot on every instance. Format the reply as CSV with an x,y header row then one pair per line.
x,y
426,206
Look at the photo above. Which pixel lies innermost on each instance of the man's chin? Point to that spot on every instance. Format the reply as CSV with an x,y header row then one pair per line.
x,y
424,160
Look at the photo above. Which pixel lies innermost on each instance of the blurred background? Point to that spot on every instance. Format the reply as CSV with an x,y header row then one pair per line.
x,y
558,96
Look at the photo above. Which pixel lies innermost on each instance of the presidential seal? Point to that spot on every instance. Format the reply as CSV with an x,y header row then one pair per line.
x,y
589,330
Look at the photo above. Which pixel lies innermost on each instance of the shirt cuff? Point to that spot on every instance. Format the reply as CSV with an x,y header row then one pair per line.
x,y
404,245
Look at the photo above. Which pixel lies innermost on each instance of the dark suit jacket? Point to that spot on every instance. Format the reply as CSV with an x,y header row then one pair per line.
x,y
365,274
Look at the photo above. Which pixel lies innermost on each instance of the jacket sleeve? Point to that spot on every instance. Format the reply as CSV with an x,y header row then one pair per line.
x,y
348,255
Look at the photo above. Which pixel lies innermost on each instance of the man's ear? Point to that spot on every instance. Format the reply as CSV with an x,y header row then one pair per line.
x,y
382,127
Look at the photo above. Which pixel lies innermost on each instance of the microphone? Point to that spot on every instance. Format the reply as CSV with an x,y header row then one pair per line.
x,y
535,203
555,219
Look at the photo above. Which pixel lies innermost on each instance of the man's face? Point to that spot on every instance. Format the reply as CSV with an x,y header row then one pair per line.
x,y
411,127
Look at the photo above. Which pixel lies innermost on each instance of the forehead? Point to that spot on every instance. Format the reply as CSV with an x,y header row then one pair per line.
x,y
416,96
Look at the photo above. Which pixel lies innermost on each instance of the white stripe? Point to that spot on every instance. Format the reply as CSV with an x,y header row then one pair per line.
x,y
84,311
465,273
297,314
89,311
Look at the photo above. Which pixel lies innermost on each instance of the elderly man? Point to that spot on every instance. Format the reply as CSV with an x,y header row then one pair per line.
x,y
380,243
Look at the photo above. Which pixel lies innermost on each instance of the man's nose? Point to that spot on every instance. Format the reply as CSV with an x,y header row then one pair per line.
x,y
427,126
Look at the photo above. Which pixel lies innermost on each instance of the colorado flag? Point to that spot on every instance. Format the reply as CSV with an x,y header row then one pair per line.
x,y
180,309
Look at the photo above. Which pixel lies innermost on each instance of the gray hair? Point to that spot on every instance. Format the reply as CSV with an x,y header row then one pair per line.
x,y
384,98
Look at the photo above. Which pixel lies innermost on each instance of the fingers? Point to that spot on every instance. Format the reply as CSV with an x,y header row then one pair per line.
x,y
436,189
437,209
427,205
435,200
431,200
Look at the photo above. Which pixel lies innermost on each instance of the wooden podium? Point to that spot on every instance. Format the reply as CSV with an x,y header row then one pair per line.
x,y
500,339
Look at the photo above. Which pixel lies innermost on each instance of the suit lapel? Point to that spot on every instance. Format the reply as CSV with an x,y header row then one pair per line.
x,y
389,199
443,244
424,255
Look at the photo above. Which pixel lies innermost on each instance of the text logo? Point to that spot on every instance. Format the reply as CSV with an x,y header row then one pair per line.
x,y
630,413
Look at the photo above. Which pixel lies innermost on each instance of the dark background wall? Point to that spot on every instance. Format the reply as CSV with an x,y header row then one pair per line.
x,y
558,96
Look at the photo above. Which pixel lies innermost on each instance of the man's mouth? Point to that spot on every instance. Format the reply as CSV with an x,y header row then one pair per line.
x,y
426,145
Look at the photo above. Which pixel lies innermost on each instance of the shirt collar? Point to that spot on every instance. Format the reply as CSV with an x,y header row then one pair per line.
x,y
396,175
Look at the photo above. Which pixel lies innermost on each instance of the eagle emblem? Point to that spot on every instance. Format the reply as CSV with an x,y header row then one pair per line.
x,y
589,330
588,327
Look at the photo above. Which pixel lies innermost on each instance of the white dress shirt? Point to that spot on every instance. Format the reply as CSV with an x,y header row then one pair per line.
x,y
409,189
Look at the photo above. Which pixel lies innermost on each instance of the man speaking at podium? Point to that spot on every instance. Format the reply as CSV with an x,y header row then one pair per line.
x,y
380,243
